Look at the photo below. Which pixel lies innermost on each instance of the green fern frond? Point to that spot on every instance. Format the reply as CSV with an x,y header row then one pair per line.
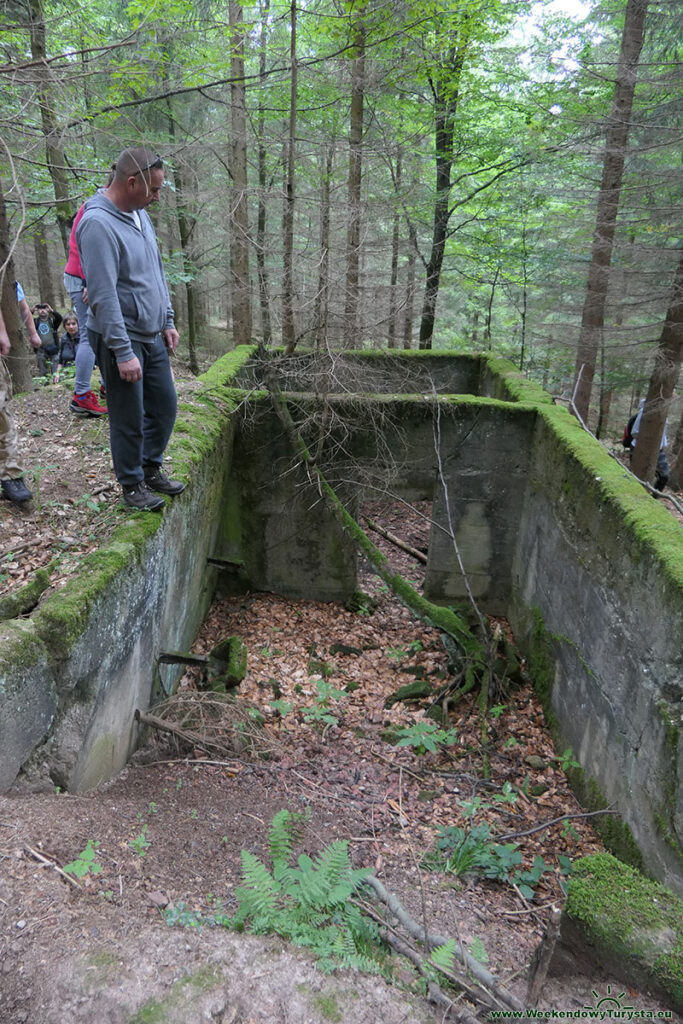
x,y
286,828
444,956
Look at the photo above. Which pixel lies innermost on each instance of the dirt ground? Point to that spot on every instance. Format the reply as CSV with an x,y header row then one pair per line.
x,y
166,835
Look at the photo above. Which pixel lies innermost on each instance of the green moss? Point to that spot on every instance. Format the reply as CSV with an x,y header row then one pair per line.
x,y
327,1006
630,920
26,598
178,998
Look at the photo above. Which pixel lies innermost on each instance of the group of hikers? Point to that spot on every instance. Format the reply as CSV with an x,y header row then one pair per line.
x,y
123,320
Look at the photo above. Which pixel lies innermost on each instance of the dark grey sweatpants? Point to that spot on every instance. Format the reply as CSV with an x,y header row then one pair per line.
x,y
141,414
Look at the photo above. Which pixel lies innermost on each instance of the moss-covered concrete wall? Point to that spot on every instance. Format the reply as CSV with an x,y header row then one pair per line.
x,y
74,671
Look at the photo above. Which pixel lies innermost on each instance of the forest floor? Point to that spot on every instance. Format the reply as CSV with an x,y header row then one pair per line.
x,y
166,835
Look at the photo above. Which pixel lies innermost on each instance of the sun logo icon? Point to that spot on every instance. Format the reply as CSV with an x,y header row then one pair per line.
x,y
610,1001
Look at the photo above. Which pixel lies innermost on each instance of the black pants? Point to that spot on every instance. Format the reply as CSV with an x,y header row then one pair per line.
x,y
141,414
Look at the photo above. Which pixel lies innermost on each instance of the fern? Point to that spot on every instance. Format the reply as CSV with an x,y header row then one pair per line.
x,y
309,903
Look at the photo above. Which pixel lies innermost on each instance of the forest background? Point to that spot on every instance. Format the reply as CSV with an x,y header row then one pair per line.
x,y
378,173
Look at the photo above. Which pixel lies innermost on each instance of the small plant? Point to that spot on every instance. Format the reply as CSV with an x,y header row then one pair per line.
x,y
399,653
567,760
310,903
141,843
460,851
426,736
282,707
319,713
85,863
153,807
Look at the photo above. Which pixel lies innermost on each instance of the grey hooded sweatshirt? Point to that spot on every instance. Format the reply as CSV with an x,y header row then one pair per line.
x,y
128,298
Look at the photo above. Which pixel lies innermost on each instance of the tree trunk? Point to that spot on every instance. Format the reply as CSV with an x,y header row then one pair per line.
x,y
676,477
445,92
56,163
662,383
20,361
592,319
489,310
410,290
351,310
288,328
264,298
322,294
186,223
45,285
392,328
239,220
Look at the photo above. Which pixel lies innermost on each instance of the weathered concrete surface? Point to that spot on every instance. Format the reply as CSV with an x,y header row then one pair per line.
x,y
72,676
475,518
275,523
615,616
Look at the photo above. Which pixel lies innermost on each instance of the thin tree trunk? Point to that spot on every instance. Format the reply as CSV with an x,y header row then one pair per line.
x,y
676,477
56,163
351,309
264,298
45,285
393,325
288,328
489,310
20,361
445,93
409,313
186,226
322,295
239,220
593,315
665,374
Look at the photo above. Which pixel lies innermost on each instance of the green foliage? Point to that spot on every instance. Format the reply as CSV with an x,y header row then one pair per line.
x,y
85,863
460,851
141,843
319,713
425,736
308,903
398,653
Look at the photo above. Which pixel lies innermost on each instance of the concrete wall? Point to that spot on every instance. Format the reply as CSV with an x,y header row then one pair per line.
x,y
73,673
551,530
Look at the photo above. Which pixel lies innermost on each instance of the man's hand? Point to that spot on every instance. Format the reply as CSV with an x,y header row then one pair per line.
x,y
34,338
4,343
171,338
84,296
130,370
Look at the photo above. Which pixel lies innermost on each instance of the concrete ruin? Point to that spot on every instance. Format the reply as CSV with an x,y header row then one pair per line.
x,y
552,531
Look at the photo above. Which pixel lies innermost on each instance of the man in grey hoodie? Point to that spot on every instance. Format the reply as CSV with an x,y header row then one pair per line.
x,y
130,324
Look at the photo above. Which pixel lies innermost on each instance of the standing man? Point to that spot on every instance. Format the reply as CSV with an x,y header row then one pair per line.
x,y
131,325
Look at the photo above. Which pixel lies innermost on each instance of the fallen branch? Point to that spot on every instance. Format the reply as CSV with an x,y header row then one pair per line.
x,y
541,958
553,821
393,539
52,864
484,977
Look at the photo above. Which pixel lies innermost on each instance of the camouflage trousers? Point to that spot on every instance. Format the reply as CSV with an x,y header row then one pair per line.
x,y
9,436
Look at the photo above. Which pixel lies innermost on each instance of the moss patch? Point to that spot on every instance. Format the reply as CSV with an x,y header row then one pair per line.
x,y
634,925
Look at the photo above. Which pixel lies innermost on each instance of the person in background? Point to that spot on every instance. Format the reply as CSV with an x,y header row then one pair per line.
x,y
11,472
27,316
47,321
68,344
131,325
84,401
662,470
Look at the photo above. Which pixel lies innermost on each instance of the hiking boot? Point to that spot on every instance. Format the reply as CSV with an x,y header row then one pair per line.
x,y
87,405
15,490
158,481
140,496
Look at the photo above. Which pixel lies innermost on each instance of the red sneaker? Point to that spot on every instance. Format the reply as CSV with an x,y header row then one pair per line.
x,y
87,405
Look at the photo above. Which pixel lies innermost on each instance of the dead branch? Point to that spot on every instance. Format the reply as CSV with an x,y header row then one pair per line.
x,y
483,977
46,862
553,821
419,555
541,959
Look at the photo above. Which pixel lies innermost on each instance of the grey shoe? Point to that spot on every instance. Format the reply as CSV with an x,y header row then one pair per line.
x,y
15,490
140,496
158,481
